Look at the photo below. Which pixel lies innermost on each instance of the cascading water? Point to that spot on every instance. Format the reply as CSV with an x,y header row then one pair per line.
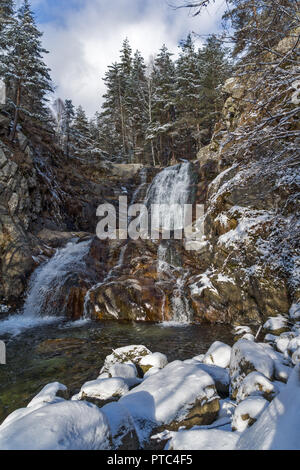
x,y
44,289
45,302
171,187
168,263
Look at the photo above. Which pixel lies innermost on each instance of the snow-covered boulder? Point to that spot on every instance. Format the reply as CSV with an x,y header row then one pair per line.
x,y
282,372
126,371
247,413
278,426
199,358
151,371
49,394
218,354
124,436
248,337
133,353
211,439
104,390
293,345
157,360
296,356
256,384
220,376
68,425
295,311
282,342
178,395
247,357
276,325
241,330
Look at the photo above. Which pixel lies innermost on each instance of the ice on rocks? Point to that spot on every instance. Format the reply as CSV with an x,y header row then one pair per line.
x,y
68,425
247,412
218,354
104,389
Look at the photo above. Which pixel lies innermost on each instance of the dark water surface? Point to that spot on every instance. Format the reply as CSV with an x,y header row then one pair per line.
x,y
73,353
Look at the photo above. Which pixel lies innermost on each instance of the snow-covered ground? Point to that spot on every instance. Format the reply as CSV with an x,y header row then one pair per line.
x,y
241,397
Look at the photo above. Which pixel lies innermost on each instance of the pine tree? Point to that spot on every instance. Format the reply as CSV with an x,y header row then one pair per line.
x,y
188,105
23,68
81,133
215,69
125,69
112,115
67,120
162,104
137,102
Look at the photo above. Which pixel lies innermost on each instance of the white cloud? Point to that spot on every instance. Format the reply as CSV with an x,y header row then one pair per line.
x,y
89,38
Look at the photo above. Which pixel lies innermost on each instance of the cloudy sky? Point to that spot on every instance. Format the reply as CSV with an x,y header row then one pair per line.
x,y
85,36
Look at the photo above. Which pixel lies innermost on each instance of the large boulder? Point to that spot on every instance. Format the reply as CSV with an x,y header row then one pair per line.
x,y
103,391
218,354
60,426
127,354
247,357
256,384
157,360
247,413
124,436
179,395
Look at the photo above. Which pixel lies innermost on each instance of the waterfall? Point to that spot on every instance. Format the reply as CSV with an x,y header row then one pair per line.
x,y
171,187
44,302
43,298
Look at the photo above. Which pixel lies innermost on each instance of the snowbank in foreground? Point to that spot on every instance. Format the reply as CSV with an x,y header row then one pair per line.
x,y
67,425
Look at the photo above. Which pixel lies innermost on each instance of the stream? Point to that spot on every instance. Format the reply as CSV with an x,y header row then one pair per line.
x,y
73,353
